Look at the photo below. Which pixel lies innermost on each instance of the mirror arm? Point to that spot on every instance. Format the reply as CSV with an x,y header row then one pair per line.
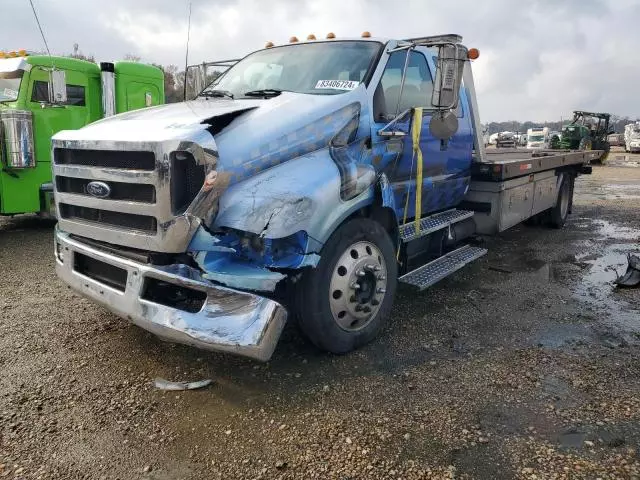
x,y
383,132
404,76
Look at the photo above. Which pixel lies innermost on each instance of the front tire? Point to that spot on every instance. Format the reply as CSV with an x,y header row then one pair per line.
x,y
345,301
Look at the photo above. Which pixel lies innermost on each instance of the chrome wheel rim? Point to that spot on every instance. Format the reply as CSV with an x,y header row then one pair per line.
x,y
358,286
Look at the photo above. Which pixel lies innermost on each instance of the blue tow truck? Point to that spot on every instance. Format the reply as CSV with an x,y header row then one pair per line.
x,y
304,183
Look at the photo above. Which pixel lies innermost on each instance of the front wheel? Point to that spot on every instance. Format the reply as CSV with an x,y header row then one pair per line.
x,y
344,302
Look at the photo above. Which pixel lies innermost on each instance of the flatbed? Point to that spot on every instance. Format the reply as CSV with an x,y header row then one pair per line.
x,y
510,186
498,166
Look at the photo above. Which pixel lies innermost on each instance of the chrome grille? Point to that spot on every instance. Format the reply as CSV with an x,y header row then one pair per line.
x,y
119,190
149,190
126,221
136,160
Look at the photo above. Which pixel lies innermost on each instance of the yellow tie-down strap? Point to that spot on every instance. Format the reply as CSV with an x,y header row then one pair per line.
x,y
416,129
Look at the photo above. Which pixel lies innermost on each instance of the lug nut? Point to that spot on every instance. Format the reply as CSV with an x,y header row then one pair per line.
x,y
358,308
381,278
381,290
366,309
360,273
355,286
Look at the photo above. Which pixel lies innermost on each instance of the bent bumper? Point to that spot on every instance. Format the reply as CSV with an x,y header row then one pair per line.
x,y
226,321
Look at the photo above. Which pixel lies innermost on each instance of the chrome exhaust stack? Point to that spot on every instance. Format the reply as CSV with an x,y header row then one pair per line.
x,y
107,74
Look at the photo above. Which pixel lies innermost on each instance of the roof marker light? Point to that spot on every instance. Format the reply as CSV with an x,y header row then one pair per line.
x,y
22,53
366,34
473,54
13,54
269,45
331,35
311,37
293,39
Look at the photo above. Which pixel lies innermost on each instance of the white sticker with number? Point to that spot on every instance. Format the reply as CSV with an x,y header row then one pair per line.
x,y
10,93
337,84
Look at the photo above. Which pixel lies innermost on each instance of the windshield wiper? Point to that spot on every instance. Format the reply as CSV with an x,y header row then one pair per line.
x,y
216,93
265,92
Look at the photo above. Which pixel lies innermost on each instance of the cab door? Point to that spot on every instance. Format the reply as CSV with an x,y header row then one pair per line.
x,y
445,171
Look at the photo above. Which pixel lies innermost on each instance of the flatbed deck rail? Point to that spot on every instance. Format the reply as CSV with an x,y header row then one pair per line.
x,y
513,163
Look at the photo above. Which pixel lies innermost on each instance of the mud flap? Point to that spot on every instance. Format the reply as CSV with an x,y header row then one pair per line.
x,y
631,278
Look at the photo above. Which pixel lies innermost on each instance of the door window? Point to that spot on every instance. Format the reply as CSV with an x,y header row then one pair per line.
x,y
75,93
418,85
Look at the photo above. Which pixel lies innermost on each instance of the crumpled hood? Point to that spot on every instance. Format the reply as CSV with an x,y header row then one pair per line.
x,y
258,120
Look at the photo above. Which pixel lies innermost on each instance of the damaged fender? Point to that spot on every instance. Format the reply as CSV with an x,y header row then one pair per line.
x,y
275,204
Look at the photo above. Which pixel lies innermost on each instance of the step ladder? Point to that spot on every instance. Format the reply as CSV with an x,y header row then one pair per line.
x,y
431,273
432,224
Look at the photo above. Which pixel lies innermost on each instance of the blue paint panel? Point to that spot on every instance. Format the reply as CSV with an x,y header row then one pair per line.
x,y
251,250
446,172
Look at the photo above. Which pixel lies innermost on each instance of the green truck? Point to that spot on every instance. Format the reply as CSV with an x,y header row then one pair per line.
x,y
41,95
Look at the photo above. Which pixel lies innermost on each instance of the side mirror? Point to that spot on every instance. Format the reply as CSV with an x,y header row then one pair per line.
x,y
449,70
58,87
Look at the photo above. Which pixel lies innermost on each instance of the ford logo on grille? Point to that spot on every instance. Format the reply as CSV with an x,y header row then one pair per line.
x,y
98,189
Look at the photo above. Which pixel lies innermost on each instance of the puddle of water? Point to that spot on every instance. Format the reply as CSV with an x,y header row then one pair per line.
x,y
597,285
611,230
606,230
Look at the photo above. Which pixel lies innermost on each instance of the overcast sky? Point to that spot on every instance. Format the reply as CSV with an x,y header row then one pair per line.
x,y
540,59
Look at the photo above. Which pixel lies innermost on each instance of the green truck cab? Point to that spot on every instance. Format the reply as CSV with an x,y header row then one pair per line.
x,y
41,95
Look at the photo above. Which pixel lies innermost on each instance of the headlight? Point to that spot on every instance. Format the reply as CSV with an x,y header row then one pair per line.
x,y
16,128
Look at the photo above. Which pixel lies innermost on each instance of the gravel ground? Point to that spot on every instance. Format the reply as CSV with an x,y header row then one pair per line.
x,y
525,364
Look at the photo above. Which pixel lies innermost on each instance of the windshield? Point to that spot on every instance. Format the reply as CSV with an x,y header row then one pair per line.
x,y
536,138
10,85
317,68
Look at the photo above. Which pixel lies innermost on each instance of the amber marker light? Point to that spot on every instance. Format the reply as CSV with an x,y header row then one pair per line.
x,y
473,54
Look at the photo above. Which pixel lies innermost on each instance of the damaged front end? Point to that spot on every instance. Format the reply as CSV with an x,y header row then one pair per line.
x,y
206,212
249,261
175,302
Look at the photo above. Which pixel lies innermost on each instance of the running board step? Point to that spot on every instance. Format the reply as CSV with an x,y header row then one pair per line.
x,y
431,273
433,223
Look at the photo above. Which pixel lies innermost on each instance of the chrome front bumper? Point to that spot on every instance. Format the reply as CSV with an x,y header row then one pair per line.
x,y
228,321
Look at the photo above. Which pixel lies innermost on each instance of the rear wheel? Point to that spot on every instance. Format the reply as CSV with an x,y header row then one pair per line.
x,y
344,302
560,211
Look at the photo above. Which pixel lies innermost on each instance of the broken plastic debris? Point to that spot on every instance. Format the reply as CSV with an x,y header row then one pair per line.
x,y
631,278
163,384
